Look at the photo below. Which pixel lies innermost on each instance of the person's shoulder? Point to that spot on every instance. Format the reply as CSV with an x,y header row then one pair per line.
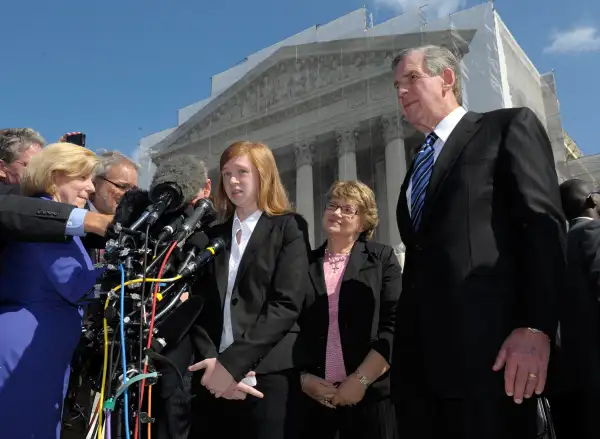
x,y
383,251
591,226
9,189
506,115
292,219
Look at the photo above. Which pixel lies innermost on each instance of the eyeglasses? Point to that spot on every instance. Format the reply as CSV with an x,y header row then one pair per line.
x,y
347,211
123,187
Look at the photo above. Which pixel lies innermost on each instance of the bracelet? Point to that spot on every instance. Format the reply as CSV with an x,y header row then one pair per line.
x,y
363,379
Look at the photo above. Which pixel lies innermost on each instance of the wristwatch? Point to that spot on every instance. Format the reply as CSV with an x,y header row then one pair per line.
x,y
363,379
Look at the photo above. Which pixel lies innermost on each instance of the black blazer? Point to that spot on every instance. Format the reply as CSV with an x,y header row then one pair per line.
x,y
580,309
367,310
488,257
267,298
31,219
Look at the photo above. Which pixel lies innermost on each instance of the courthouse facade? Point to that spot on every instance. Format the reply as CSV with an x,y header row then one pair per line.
x,y
324,101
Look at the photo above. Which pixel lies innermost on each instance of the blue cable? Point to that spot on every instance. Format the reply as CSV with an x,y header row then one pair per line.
x,y
125,394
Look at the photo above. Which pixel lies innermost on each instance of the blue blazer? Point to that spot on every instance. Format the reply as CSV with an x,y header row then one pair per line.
x,y
40,320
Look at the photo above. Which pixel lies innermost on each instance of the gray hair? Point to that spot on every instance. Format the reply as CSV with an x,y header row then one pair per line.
x,y
13,141
108,159
436,59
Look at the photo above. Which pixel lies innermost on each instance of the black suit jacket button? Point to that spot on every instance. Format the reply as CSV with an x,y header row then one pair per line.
x,y
418,247
234,301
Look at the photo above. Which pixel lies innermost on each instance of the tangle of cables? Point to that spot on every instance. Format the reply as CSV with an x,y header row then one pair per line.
x,y
134,316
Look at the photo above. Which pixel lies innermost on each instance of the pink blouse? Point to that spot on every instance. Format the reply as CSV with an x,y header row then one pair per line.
x,y
334,267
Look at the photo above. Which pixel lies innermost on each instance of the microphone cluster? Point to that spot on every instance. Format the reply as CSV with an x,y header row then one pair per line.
x,y
159,240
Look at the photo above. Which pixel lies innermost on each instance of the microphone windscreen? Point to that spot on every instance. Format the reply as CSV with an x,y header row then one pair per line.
x,y
186,171
131,206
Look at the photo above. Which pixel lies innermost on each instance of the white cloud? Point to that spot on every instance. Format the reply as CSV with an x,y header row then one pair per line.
x,y
439,8
576,40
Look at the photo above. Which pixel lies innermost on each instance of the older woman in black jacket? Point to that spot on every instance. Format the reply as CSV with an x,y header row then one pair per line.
x,y
347,327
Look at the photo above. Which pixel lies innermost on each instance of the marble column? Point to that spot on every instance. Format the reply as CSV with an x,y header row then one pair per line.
x,y
303,153
383,231
347,140
395,171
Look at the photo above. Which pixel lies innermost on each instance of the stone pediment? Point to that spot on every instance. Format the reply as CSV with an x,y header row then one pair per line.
x,y
300,78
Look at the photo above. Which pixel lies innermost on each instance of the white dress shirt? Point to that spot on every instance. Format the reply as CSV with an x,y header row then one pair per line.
x,y
237,251
443,131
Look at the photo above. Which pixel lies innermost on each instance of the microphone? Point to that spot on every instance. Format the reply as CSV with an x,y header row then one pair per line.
x,y
198,241
203,207
131,206
176,183
171,228
198,215
167,198
215,247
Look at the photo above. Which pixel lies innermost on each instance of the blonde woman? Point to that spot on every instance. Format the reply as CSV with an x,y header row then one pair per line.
x,y
40,286
347,328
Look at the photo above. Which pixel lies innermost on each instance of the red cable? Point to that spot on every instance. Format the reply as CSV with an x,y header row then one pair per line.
x,y
156,287
93,416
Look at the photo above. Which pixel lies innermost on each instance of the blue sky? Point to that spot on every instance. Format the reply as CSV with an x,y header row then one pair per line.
x,y
120,70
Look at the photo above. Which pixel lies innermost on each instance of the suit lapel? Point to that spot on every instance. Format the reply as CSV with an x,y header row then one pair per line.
x,y
402,213
315,271
222,261
358,257
259,238
459,138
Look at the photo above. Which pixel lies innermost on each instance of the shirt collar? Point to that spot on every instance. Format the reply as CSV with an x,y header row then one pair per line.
x,y
448,123
249,223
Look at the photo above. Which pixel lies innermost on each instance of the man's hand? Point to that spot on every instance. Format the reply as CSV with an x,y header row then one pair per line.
x,y
241,390
216,378
524,356
350,392
96,223
318,389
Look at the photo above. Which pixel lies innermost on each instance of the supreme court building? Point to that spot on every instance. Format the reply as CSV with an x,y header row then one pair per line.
x,y
324,101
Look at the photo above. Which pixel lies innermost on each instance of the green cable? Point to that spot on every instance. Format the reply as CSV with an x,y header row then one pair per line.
x,y
109,404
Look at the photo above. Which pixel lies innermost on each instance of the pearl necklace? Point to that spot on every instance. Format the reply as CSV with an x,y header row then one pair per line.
x,y
335,259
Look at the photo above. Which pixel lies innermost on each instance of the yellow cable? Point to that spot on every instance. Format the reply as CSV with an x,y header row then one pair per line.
x,y
105,325
137,281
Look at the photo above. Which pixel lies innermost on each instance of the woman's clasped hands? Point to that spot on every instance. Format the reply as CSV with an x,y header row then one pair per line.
x,y
349,393
221,383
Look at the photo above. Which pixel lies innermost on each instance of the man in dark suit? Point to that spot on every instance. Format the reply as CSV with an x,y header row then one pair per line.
x,y
575,409
480,214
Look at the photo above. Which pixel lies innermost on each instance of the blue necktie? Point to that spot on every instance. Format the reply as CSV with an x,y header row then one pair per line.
x,y
421,175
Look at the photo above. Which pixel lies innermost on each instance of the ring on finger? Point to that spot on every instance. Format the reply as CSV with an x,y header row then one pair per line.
x,y
532,376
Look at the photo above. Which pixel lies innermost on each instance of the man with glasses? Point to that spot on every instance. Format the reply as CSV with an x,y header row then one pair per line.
x,y
117,175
